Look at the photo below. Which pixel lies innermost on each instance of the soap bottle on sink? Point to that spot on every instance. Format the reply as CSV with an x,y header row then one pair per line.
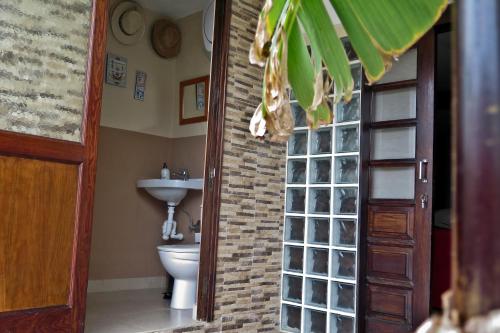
x,y
165,172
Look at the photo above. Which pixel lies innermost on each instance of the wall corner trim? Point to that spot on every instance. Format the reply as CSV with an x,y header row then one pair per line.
x,y
107,285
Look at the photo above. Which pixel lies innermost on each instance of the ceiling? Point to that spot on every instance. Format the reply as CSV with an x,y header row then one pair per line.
x,y
174,9
180,8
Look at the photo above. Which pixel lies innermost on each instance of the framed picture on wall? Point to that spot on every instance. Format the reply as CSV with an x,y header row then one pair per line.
x,y
200,96
116,70
193,100
140,85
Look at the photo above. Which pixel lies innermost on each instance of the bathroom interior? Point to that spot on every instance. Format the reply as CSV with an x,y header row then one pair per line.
x,y
146,228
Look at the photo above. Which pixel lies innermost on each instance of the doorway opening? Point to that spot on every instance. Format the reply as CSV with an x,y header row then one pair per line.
x,y
441,222
145,253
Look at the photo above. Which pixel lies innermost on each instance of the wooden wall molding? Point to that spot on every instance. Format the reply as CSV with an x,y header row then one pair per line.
x,y
31,146
90,135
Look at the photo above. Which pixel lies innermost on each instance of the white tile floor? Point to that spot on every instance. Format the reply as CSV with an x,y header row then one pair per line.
x,y
132,311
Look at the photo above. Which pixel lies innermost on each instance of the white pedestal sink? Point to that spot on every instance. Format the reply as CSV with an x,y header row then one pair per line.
x,y
172,191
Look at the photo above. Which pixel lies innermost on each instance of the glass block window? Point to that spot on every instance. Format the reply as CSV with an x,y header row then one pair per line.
x,y
320,259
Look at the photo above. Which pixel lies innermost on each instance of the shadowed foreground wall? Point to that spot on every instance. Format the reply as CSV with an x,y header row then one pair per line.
x,y
249,253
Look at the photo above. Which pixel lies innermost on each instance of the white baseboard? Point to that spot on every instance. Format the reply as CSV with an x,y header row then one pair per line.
x,y
150,282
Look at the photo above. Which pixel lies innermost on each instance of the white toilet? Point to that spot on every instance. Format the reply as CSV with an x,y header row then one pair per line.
x,y
181,262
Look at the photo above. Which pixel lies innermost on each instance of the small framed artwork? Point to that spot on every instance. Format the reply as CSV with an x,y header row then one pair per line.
x,y
193,100
116,70
140,85
200,96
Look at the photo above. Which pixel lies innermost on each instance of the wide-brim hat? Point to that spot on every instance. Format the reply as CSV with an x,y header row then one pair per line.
x,y
166,38
127,22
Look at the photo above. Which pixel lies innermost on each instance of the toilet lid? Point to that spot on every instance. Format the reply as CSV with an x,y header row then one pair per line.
x,y
182,248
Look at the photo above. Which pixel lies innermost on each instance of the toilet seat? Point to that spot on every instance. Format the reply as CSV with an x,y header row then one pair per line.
x,y
183,251
180,248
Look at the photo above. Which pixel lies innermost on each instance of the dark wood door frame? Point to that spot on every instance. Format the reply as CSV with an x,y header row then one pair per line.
x,y
213,162
90,132
425,141
70,317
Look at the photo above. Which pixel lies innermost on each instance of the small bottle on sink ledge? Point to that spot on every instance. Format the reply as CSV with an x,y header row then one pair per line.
x,y
165,172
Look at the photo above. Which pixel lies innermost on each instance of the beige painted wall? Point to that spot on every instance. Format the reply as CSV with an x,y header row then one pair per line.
x,y
158,114
119,109
127,220
189,153
193,61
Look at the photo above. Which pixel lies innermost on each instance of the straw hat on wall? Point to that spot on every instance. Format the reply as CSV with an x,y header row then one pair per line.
x,y
127,22
166,38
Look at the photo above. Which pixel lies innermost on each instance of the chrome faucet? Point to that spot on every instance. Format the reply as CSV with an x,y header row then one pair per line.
x,y
180,174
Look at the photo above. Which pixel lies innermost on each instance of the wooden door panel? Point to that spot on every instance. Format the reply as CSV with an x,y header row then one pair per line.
x,y
392,304
385,326
391,222
390,264
36,242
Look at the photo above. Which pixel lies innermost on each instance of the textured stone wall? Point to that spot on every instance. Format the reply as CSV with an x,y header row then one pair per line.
x,y
43,57
249,254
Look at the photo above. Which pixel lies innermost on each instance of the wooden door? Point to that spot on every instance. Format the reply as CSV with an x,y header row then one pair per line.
x,y
396,222
50,93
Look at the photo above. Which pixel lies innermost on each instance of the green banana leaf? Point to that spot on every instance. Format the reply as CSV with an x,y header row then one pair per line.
x,y
394,26
319,27
300,67
274,15
368,54
378,30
